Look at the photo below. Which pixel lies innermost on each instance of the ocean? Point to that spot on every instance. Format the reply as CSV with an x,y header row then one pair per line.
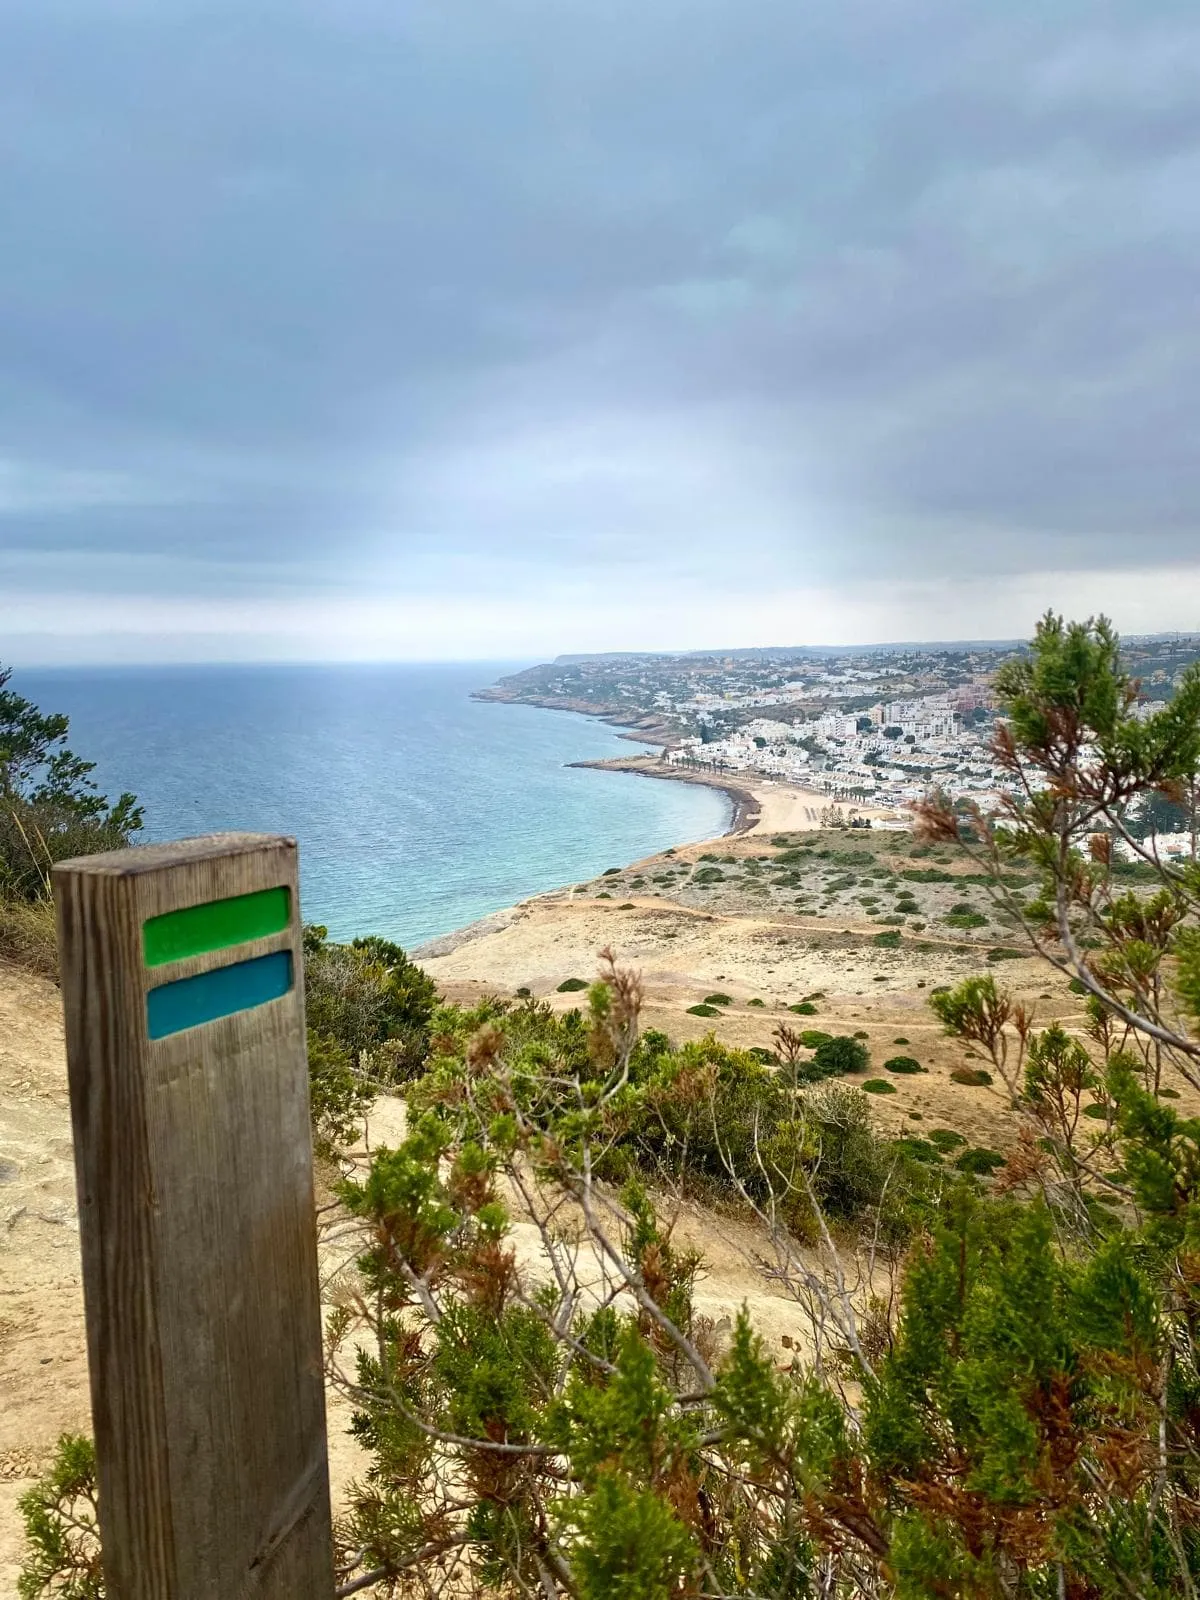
x,y
417,809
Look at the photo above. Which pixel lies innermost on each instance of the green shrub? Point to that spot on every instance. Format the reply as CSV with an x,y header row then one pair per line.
x,y
966,919
372,1000
861,1033
887,941
62,1533
1137,871
50,806
981,1161
524,993
833,1057
804,1008
946,1139
572,985
812,1037
627,905
338,1095
878,1086
926,875
756,1002
903,1064
971,1077
852,1165
705,875
718,1000
919,1149
1003,953
699,1105
899,1039
704,1010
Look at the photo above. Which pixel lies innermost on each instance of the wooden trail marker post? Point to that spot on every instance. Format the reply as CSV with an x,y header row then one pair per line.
x,y
182,980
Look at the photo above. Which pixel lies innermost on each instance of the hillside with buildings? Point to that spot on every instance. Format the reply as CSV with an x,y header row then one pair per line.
x,y
880,727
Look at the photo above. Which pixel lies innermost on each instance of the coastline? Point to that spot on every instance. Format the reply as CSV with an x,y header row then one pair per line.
x,y
747,806
761,806
645,727
768,807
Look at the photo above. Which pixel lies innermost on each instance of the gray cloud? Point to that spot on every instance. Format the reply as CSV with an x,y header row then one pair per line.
x,y
307,296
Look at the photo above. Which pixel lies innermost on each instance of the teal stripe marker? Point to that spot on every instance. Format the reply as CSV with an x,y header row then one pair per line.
x,y
191,1002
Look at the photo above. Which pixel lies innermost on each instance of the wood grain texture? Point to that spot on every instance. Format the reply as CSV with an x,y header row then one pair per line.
x,y
194,1171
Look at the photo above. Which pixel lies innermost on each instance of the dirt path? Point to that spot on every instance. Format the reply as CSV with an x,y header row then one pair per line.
x,y
43,1358
43,1362
762,963
43,1365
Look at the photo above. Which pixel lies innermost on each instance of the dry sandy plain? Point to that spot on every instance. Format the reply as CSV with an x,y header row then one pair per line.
x,y
750,942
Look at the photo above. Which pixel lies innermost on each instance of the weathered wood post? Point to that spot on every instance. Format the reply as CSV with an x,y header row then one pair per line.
x,y
182,982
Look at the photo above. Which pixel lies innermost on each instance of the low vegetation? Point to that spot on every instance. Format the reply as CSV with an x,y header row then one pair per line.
x,y
991,1383
368,1010
50,810
903,1064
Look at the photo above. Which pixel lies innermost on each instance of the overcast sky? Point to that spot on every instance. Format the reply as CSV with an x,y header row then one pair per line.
x,y
480,328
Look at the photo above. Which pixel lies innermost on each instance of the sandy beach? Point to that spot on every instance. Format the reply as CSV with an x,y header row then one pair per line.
x,y
760,805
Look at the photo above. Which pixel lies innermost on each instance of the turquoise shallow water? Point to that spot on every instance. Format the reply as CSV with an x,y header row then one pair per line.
x,y
417,808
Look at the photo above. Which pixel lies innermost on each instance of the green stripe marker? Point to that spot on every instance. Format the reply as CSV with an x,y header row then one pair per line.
x,y
198,930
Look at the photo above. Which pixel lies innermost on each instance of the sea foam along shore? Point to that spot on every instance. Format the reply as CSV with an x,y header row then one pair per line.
x,y
746,811
760,804
766,808
747,807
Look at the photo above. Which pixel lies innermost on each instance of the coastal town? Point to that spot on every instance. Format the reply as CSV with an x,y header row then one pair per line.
x,y
877,728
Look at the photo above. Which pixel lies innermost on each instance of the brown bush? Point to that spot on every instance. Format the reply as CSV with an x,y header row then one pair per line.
x,y
27,936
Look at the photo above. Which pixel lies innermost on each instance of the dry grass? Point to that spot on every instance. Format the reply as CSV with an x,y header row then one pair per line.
x,y
27,936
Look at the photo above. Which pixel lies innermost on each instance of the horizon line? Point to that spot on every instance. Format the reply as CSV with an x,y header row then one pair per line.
x,y
891,646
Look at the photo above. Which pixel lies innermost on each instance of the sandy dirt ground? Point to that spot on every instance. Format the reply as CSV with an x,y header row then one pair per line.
x,y
43,1357
785,809
755,947
683,955
43,1362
